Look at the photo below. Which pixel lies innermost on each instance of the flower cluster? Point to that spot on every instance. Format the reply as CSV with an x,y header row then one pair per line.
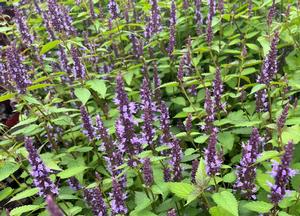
x,y
78,67
246,170
118,198
172,29
87,126
52,207
148,173
113,8
23,28
218,89
153,25
40,172
94,198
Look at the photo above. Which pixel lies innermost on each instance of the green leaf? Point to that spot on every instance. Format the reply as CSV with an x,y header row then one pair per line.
x,y
5,193
266,155
227,201
291,134
98,86
23,209
169,84
201,139
257,87
7,169
181,190
82,94
218,211
229,177
24,194
71,172
5,97
49,46
226,139
259,206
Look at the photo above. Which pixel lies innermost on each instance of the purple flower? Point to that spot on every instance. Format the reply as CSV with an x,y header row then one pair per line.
x,y
64,65
195,165
148,173
282,118
113,9
218,89
118,205
87,126
282,174
74,183
23,28
209,107
213,159
78,67
52,207
212,9
92,10
246,170
172,29
188,123
269,69
16,69
272,13
137,45
153,26
94,198
209,33
128,140
198,16
172,212
166,135
176,156
180,73
221,6
167,174
40,172
148,107
104,136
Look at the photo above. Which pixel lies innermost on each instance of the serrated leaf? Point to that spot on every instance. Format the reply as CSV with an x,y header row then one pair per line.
x,y
5,193
71,172
201,139
25,208
49,46
267,155
227,201
82,94
7,169
258,206
24,194
180,189
257,87
98,86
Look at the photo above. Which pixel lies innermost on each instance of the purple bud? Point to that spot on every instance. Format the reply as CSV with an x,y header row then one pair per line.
x,y
176,156
52,207
282,118
282,174
172,37
156,83
198,16
153,26
272,13
250,8
188,123
92,10
78,67
74,183
195,165
148,173
23,28
209,107
137,45
172,212
167,174
221,6
166,135
209,33
95,200
213,159
218,89
40,172
113,9
118,205
88,128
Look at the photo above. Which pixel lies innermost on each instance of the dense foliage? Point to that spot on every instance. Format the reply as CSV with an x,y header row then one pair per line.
x,y
137,107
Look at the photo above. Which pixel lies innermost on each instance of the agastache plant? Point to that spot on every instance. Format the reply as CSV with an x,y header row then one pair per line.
x,y
282,174
18,72
282,118
269,69
23,28
118,205
172,40
209,106
218,89
147,172
78,68
272,13
88,128
246,170
176,156
94,198
113,8
154,23
213,159
195,165
198,16
40,172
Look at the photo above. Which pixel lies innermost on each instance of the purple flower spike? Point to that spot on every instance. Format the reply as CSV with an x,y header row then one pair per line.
x,y
180,73
89,130
172,212
40,172
16,69
218,89
209,33
78,67
95,200
221,6
212,10
113,8
148,173
74,183
272,13
52,207
167,174
104,136
172,41
148,107
23,28
213,159
269,69
153,26
92,10
246,170
209,107
166,136
195,165
188,123
137,45
198,16
250,8
282,118
282,174
176,156
156,83
118,205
